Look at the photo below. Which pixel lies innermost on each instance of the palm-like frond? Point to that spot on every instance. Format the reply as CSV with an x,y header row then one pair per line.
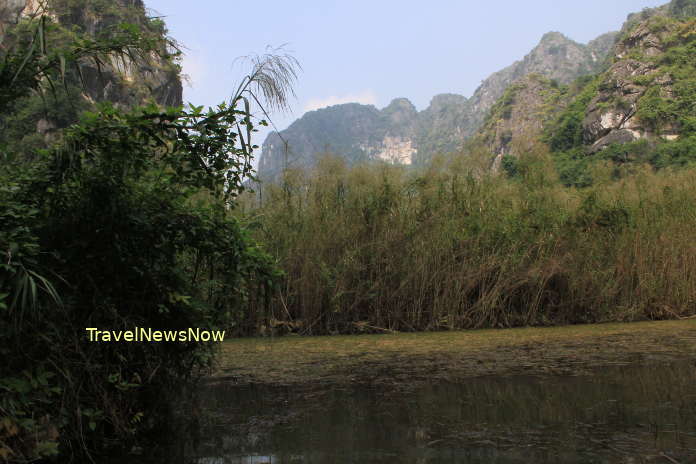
x,y
271,80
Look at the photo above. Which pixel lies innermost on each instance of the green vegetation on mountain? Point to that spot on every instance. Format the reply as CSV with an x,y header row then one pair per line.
x,y
682,8
657,109
622,90
515,123
567,130
443,126
641,110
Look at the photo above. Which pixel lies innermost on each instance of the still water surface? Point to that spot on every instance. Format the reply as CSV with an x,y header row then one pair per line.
x,y
621,414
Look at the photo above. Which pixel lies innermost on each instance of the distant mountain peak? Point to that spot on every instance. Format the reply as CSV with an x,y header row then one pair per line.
x,y
447,99
401,103
398,133
553,36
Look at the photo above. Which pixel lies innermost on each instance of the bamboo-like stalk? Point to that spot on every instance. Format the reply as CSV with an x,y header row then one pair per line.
x,y
450,248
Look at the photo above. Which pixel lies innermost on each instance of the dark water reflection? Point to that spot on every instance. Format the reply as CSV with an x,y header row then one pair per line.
x,y
630,414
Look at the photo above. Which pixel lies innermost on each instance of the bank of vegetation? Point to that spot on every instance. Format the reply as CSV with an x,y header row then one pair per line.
x,y
564,233
456,246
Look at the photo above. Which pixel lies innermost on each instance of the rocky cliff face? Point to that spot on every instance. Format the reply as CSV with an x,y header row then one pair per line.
x,y
647,72
647,92
441,128
357,132
126,82
10,12
517,120
443,125
556,57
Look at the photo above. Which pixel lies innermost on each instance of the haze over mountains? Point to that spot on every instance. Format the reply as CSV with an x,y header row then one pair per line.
x,y
400,134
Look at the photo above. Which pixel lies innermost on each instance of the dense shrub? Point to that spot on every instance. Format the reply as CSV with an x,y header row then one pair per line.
x,y
123,222
380,247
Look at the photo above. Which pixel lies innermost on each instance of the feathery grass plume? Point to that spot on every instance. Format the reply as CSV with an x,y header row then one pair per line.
x,y
271,79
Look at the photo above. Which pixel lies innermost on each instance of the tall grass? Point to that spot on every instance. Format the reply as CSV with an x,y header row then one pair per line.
x,y
379,247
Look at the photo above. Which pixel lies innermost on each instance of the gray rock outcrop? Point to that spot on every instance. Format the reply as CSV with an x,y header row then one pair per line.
x,y
612,115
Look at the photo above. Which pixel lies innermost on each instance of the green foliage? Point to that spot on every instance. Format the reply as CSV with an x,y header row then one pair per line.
x,y
504,105
682,8
620,153
666,107
98,16
69,59
43,74
42,53
111,215
510,165
454,247
574,167
566,132
658,110
645,79
122,222
677,153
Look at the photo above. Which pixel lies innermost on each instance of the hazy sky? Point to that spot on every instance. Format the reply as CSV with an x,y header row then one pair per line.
x,y
374,51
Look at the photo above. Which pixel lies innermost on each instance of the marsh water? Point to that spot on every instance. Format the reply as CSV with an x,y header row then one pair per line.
x,y
618,414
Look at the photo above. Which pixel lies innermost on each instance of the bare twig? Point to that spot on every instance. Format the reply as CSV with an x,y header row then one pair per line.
x,y
669,458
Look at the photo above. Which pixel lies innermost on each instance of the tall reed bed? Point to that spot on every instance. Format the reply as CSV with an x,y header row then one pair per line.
x,y
379,247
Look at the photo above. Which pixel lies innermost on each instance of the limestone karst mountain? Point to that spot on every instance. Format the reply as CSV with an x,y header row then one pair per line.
x,y
556,58
642,108
622,87
638,96
360,132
